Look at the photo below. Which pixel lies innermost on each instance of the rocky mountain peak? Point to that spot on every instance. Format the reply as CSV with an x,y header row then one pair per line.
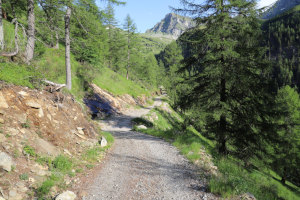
x,y
279,7
172,24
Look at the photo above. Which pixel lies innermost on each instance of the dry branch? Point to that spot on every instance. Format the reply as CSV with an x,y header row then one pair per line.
x,y
55,85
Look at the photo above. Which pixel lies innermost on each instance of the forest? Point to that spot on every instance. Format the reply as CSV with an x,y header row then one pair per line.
x,y
234,77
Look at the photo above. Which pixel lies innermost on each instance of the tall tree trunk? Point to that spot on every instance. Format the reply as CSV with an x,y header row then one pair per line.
x,y
30,32
1,28
67,38
56,40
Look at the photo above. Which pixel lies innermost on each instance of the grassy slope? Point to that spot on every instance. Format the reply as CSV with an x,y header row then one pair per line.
x,y
234,179
117,84
50,65
154,42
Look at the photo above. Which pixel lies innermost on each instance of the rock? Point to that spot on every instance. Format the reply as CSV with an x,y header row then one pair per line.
x,y
14,195
80,136
6,161
22,117
41,113
2,112
3,103
67,195
40,170
143,127
1,121
66,151
103,142
12,131
21,187
22,93
45,147
2,138
80,130
33,104
49,117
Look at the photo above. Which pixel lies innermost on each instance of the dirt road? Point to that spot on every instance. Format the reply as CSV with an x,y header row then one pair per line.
x,y
143,167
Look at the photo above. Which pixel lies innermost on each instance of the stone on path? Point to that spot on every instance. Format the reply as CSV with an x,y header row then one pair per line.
x,y
142,127
67,195
103,142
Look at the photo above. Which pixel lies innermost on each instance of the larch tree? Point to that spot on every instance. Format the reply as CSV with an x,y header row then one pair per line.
x,y
130,29
228,83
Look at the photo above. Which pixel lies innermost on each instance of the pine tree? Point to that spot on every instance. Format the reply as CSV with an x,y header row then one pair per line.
x,y
130,29
228,83
287,147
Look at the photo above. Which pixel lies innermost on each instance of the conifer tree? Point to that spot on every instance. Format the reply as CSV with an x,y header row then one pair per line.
x,y
229,82
130,29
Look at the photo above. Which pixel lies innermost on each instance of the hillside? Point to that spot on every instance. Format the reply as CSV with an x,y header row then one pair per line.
x,y
173,25
280,7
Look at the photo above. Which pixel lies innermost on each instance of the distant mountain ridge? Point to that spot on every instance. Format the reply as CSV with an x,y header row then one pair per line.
x,y
172,24
279,7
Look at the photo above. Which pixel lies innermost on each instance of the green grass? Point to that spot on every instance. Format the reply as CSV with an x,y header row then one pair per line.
x,y
117,84
62,164
18,74
232,179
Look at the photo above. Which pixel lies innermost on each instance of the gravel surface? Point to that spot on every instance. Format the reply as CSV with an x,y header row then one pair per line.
x,y
143,167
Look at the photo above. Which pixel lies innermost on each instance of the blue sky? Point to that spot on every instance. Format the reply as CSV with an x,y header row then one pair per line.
x,y
146,13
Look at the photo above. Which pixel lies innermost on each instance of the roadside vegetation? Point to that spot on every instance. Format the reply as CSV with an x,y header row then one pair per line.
x,y
226,176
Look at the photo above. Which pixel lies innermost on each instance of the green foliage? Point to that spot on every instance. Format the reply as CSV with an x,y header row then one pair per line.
x,y
282,40
29,151
287,146
45,188
24,177
19,75
108,136
62,163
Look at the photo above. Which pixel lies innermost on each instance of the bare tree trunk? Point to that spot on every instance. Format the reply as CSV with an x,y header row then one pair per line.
x,y
1,28
67,38
56,40
14,53
30,32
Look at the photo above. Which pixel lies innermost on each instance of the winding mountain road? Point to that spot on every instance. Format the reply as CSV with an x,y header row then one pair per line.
x,y
143,167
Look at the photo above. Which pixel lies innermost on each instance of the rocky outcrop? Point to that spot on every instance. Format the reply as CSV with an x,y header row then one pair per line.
x,y
172,24
280,7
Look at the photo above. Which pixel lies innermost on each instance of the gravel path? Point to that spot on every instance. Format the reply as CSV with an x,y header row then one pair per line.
x,y
143,167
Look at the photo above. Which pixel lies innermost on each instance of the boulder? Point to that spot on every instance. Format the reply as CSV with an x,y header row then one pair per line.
x,y
67,195
6,162
143,127
103,142
1,121
33,104
3,103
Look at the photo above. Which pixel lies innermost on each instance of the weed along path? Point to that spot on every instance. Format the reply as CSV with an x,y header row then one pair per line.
x,y
143,167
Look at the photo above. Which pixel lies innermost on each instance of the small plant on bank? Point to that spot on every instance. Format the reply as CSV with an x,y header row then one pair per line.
x,y
28,150
24,177
26,124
